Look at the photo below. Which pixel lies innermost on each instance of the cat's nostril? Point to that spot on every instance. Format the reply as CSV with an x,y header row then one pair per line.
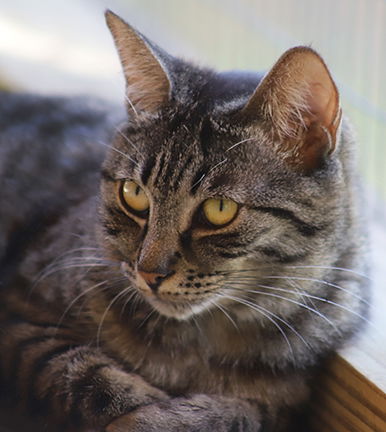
x,y
154,286
153,279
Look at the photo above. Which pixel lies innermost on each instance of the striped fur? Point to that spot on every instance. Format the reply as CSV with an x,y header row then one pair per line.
x,y
228,339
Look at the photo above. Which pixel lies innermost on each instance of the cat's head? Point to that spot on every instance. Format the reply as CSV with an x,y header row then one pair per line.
x,y
216,175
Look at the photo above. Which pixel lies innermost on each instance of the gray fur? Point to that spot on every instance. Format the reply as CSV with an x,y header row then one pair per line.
x,y
229,340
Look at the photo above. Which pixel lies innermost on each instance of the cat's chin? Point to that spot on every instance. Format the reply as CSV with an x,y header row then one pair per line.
x,y
178,311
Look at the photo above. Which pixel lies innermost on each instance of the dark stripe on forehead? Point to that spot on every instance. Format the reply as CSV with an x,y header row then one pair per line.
x,y
206,136
187,164
303,227
147,169
158,175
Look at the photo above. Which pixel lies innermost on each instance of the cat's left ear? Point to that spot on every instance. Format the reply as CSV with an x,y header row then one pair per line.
x,y
298,103
148,86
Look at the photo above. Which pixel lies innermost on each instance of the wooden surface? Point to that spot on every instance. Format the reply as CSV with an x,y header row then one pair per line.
x,y
346,401
351,394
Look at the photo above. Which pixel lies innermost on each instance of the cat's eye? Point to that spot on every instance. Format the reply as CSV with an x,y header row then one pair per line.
x,y
134,196
219,211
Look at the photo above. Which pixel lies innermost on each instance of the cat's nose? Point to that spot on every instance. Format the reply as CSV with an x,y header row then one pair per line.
x,y
154,280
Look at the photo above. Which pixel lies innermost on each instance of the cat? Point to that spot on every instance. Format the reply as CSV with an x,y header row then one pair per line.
x,y
190,273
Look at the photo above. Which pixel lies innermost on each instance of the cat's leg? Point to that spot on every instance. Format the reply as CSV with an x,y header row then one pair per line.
x,y
48,373
198,413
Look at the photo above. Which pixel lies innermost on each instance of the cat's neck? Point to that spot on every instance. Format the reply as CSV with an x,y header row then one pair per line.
x,y
142,332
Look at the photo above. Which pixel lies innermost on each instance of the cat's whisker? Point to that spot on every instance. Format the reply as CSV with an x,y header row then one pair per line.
x,y
121,153
80,260
110,283
132,106
297,267
143,322
127,301
296,278
223,310
96,292
305,299
129,141
198,181
330,284
74,251
70,263
269,315
259,292
106,311
66,267
277,317
196,323
240,142
321,299
207,173
66,257
342,269
137,300
57,266
64,260
216,166
76,299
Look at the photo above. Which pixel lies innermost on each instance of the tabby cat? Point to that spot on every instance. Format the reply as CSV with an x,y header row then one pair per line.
x,y
190,274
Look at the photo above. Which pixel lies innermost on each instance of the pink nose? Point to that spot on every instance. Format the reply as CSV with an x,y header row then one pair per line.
x,y
152,279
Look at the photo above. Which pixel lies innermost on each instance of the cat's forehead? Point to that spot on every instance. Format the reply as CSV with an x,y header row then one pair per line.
x,y
202,155
196,149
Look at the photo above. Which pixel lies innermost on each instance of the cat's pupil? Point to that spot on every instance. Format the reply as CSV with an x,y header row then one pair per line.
x,y
221,205
137,190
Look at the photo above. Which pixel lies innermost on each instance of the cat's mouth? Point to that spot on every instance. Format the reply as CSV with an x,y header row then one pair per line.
x,y
176,305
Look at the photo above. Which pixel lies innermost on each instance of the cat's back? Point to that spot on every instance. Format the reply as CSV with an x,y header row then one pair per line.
x,y
51,149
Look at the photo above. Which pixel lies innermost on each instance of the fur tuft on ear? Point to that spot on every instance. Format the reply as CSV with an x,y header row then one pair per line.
x,y
147,83
298,102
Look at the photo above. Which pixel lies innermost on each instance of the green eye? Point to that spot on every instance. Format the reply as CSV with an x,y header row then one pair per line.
x,y
134,196
220,211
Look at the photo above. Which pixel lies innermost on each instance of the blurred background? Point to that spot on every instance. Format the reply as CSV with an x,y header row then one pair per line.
x,y
63,47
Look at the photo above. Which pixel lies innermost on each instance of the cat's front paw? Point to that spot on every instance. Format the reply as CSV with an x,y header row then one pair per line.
x,y
199,413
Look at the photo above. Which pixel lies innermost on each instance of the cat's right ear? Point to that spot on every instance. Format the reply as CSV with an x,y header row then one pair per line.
x,y
297,102
148,86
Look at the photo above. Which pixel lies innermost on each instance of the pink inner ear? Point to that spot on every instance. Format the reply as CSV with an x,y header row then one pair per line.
x,y
322,104
322,98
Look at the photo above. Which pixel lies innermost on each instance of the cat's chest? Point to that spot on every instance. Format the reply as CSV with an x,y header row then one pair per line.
x,y
185,360
178,357
192,371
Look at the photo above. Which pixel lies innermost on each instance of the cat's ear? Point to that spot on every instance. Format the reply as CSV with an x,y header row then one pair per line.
x,y
148,86
298,102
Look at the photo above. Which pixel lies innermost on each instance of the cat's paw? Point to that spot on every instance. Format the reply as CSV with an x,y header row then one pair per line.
x,y
199,413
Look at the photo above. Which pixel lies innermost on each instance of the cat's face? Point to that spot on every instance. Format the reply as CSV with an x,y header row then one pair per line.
x,y
189,212
195,193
